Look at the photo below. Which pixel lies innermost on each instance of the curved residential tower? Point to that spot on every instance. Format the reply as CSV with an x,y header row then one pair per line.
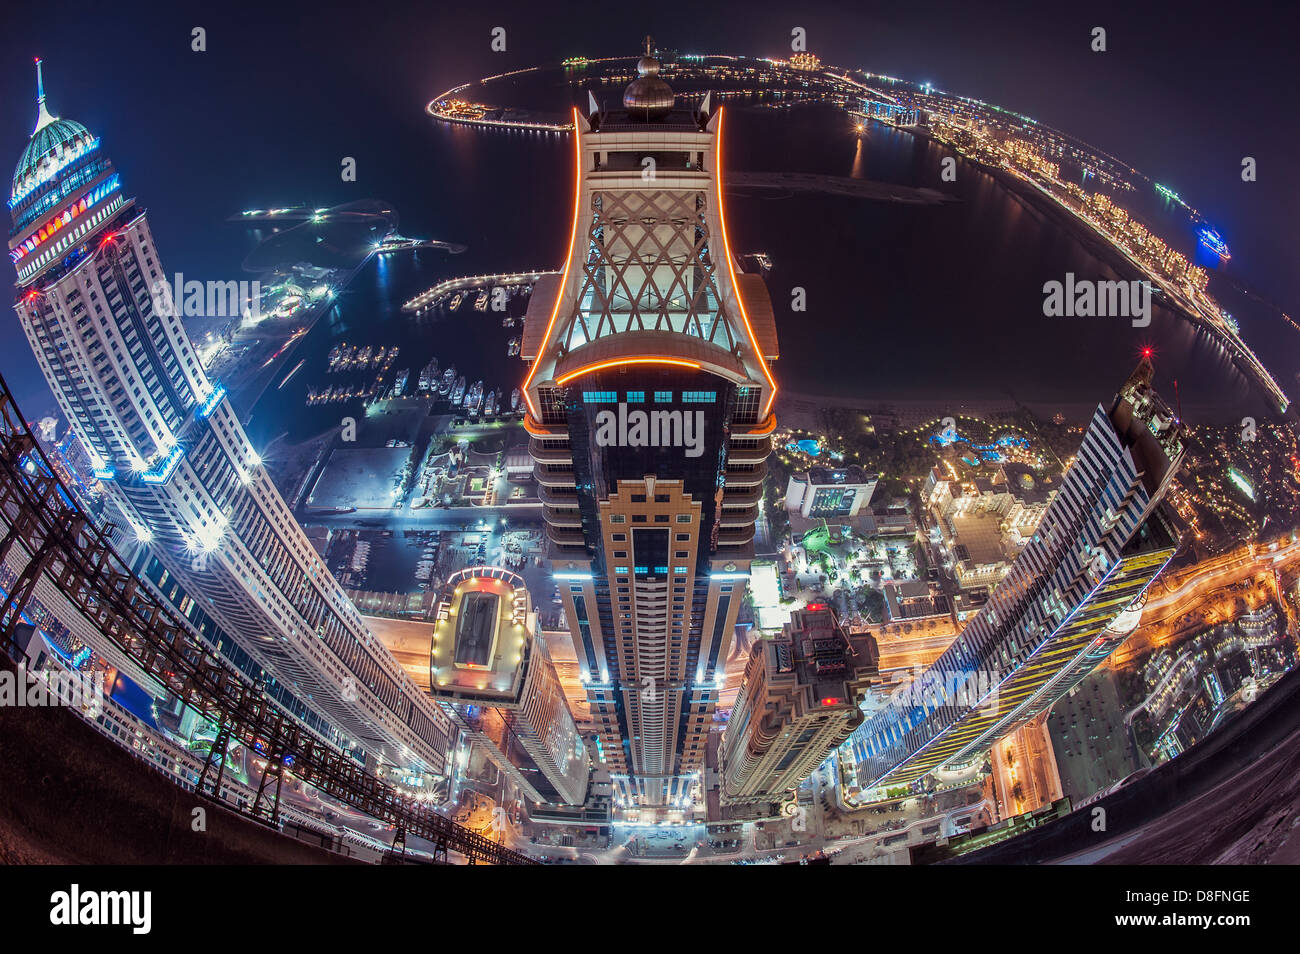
x,y
649,398
167,444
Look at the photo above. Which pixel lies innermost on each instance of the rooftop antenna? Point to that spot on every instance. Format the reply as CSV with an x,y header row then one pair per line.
x,y
43,117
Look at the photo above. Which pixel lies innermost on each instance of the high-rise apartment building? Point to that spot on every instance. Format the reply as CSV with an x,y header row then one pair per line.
x,y
166,444
1071,597
649,399
798,703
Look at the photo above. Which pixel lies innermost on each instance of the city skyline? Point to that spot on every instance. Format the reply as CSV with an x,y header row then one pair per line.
x,y
577,449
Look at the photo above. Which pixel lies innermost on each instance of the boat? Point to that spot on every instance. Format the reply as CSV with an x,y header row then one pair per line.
x,y
364,357
490,404
480,303
378,359
1214,242
428,376
512,348
514,400
456,300
396,243
474,397
448,379
458,392
399,383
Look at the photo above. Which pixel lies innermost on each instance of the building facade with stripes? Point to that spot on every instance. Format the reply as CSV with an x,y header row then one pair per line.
x,y
165,442
1072,596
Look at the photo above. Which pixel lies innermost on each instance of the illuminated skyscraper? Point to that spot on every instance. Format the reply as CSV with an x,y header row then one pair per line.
x,y
649,402
1072,596
488,666
176,463
798,702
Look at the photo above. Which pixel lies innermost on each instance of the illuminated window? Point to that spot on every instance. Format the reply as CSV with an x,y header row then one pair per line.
x,y
699,397
635,397
663,397
600,397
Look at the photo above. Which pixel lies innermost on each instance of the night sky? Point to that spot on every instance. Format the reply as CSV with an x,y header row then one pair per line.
x,y
1181,96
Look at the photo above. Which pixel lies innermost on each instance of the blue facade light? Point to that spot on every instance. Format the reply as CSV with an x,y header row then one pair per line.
x,y
207,407
163,471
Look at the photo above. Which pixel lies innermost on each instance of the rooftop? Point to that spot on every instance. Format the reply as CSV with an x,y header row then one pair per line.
x,y
480,641
50,141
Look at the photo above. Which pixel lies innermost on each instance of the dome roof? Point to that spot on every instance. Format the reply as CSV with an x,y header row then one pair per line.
x,y
49,140
648,96
52,139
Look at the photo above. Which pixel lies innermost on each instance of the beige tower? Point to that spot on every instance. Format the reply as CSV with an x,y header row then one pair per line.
x,y
649,401
799,701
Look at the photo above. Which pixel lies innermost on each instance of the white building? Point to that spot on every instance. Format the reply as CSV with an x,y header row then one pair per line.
x,y
829,491
176,463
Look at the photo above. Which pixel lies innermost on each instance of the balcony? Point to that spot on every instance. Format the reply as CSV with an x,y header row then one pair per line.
x,y
567,541
736,536
562,518
738,517
549,455
748,455
547,478
564,496
746,475
742,496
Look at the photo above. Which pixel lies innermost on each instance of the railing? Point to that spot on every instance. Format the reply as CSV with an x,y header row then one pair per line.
x,y
40,516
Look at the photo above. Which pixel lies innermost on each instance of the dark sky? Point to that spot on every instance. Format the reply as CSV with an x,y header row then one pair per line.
x,y
1181,95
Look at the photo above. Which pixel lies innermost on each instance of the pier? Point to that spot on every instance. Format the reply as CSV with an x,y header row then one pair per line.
x,y
471,281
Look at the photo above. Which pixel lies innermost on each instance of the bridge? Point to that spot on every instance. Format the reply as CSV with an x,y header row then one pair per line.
x,y
42,522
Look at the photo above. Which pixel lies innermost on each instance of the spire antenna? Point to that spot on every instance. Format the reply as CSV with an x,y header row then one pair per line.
x,y
43,117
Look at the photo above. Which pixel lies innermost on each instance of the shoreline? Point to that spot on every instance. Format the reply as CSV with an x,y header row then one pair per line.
x,y
1119,259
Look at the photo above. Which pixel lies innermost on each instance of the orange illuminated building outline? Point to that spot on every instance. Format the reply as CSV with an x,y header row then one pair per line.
x,y
564,278
731,268
568,255
680,362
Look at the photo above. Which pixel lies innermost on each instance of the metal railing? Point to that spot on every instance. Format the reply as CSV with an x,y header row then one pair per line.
x,y
42,518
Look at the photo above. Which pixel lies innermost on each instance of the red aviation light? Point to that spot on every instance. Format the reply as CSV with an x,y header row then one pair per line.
x,y
832,701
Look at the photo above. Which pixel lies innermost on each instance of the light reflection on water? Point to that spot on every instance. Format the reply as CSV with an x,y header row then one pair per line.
x,y
904,301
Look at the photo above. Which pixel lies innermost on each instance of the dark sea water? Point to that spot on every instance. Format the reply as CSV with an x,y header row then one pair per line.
x,y
904,301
